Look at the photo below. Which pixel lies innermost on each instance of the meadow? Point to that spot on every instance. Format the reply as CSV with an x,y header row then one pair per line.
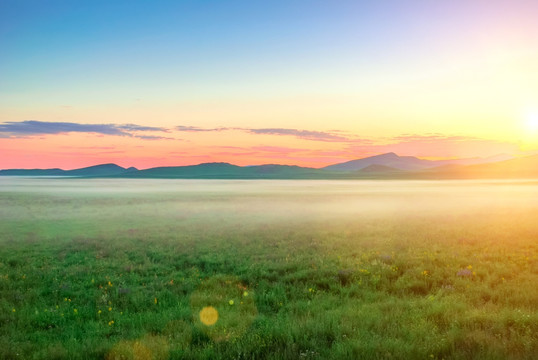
x,y
202,269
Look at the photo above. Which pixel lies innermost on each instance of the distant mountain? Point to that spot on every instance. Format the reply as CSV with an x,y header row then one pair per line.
x,y
33,172
379,169
206,170
525,167
410,163
385,166
91,171
476,160
228,171
98,170
389,159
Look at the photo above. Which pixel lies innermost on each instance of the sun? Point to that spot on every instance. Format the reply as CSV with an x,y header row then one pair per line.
x,y
531,122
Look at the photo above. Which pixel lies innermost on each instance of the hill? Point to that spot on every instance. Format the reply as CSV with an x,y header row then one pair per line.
x,y
524,168
385,166
228,171
389,159
91,171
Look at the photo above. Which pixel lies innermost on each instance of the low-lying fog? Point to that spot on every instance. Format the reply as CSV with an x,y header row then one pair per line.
x,y
276,198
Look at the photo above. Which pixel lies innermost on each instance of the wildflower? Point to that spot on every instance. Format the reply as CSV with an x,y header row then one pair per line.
x,y
109,309
245,293
109,284
75,311
464,273
111,322
65,299
231,302
470,267
99,312
13,310
155,301
425,273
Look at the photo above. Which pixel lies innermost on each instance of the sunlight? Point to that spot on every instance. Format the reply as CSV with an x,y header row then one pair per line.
x,y
531,122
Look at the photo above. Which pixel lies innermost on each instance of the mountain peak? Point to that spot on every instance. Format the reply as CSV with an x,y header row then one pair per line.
x,y
389,159
387,155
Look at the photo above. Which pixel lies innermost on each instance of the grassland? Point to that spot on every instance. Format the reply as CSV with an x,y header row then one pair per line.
x,y
136,269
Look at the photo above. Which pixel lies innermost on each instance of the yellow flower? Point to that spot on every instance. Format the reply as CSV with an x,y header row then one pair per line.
x,y
109,309
231,302
75,311
155,300
99,312
13,310
245,293
425,273
109,283
470,267
111,322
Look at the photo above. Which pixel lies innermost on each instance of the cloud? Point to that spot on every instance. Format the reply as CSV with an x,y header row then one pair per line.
x,y
34,127
198,129
435,146
134,127
301,134
431,137
328,136
153,137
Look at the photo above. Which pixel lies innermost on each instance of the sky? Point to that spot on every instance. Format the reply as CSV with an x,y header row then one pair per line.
x,y
304,82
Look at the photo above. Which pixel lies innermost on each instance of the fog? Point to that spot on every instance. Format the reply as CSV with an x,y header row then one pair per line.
x,y
279,200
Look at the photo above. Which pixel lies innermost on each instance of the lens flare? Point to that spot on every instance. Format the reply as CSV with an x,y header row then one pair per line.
x,y
209,315
223,311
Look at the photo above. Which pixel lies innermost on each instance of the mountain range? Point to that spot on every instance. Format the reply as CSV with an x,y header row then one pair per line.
x,y
384,166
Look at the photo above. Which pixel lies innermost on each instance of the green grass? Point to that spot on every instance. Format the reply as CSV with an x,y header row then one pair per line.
x,y
293,273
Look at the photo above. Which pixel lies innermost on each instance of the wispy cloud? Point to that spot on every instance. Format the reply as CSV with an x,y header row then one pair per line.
x,y
435,146
153,137
432,137
301,134
327,136
35,127
198,129
134,127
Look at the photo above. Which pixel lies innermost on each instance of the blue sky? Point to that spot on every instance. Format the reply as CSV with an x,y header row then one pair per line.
x,y
377,70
